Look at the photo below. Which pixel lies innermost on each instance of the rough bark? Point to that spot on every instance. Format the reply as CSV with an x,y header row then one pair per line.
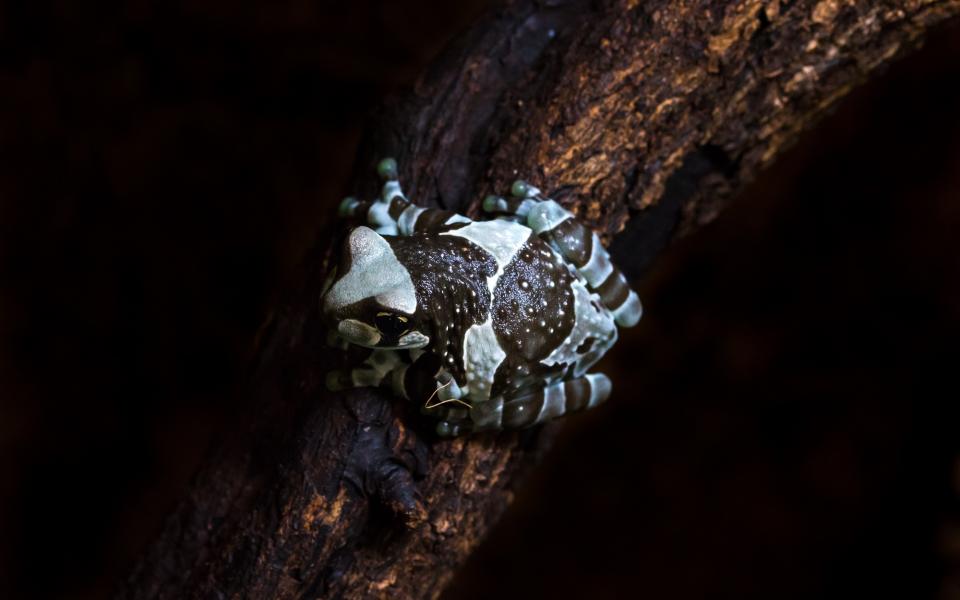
x,y
643,116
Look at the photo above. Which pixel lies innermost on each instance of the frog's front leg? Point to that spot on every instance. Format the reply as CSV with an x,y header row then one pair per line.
x,y
383,213
381,367
542,405
393,214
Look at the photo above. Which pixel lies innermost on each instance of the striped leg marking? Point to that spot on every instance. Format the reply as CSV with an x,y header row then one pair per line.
x,y
393,214
580,246
384,214
551,402
577,244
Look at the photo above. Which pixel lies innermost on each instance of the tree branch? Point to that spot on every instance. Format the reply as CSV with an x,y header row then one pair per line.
x,y
638,115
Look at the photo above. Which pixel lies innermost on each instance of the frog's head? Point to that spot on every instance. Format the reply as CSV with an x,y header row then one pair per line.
x,y
372,301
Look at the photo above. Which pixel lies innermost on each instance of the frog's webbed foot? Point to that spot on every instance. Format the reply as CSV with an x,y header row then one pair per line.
x,y
542,405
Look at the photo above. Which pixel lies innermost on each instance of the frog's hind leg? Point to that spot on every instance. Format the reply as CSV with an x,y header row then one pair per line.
x,y
581,247
542,405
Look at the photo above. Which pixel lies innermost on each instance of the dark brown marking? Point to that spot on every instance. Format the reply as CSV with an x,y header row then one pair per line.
x,y
522,412
432,220
578,393
397,206
573,240
585,346
449,275
527,301
614,290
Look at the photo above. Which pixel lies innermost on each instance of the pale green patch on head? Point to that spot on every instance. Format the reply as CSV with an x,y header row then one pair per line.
x,y
375,273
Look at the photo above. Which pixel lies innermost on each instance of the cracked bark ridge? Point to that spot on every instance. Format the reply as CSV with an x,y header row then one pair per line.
x,y
638,115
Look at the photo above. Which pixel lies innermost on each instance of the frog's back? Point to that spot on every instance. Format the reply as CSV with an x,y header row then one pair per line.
x,y
545,322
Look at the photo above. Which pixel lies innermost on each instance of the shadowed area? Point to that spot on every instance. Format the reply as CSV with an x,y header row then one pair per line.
x,y
165,166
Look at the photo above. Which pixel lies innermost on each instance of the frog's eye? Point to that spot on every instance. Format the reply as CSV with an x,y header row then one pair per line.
x,y
390,325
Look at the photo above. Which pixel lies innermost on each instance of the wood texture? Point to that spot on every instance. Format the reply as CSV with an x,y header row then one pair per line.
x,y
643,116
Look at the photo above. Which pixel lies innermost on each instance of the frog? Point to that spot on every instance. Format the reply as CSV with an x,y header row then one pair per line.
x,y
485,324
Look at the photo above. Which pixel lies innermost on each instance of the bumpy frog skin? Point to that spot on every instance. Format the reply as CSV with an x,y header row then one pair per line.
x,y
484,324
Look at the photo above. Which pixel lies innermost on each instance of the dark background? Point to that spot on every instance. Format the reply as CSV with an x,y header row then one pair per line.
x,y
785,419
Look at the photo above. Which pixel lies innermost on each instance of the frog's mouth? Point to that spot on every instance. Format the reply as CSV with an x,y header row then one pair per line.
x,y
359,333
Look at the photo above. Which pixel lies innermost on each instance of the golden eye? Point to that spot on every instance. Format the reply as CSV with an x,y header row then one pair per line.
x,y
391,325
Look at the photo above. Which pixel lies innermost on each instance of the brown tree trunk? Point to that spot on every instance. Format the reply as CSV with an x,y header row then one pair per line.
x,y
638,115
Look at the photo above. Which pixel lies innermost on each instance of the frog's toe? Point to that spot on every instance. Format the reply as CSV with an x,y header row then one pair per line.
x,y
522,189
495,204
512,209
387,169
448,429
348,207
448,388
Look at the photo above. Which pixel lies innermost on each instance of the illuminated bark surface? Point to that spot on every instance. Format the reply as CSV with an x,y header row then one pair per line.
x,y
641,117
